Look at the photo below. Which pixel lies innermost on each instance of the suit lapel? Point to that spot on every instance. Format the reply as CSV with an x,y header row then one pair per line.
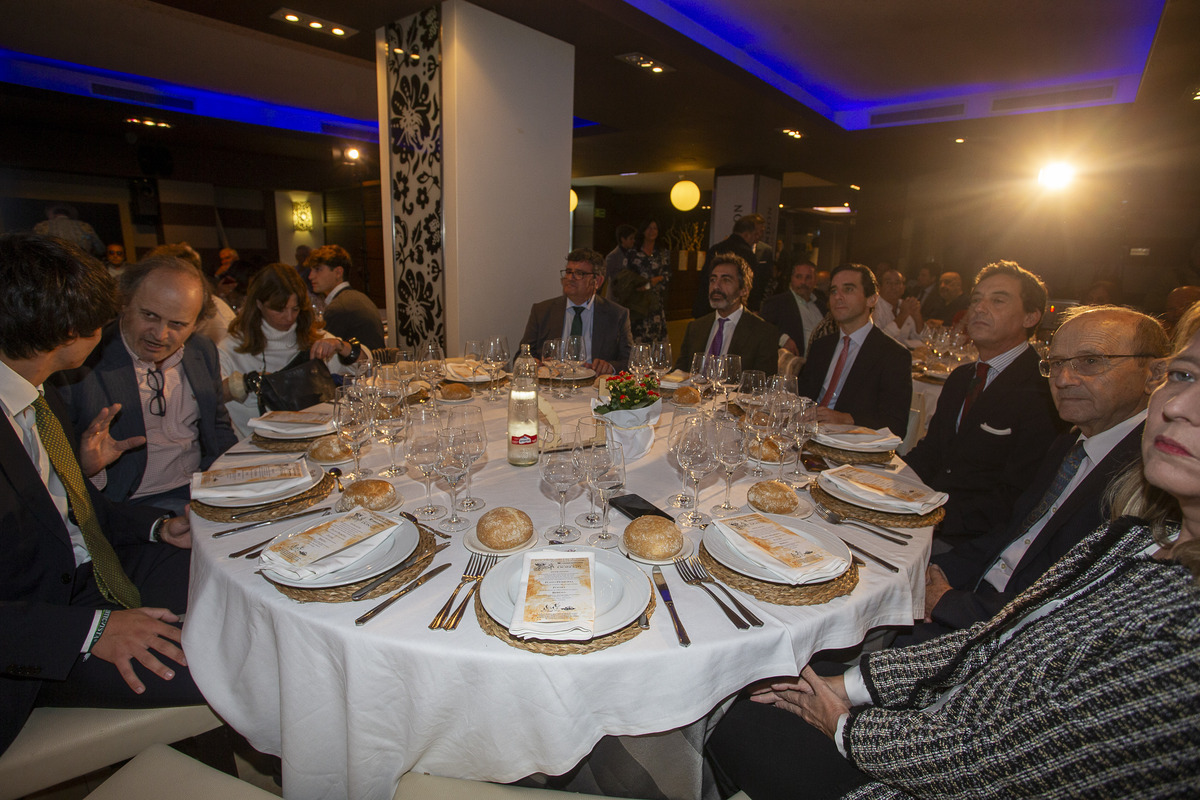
x,y
27,484
1016,374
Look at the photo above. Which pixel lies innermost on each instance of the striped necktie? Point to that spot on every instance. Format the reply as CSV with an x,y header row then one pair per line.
x,y
111,579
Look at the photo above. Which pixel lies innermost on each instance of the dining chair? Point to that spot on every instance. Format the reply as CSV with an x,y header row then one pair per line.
x,y
159,766
418,786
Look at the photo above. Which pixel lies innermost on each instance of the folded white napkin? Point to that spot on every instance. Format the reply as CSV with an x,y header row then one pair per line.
x,y
323,549
858,438
674,379
459,371
633,429
251,480
787,554
880,491
557,599
315,421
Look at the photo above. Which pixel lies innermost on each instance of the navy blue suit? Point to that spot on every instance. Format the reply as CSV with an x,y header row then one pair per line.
x,y
878,390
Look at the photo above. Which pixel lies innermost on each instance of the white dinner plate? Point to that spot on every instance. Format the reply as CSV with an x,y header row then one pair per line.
x,y
440,399
480,377
685,550
622,590
569,374
471,540
362,451
401,542
844,496
314,476
720,549
292,437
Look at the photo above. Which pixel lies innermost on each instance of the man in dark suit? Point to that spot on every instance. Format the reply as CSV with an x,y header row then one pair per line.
x,y
995,417
151,383
604,325
796,311
947,301
349,314
730,328
1100,366
747,232
80,577
859,375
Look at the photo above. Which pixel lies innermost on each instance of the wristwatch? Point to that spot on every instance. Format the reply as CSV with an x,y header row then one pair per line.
x,y
355,352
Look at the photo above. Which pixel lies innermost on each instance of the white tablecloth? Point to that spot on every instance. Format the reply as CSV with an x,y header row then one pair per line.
x,y
351,709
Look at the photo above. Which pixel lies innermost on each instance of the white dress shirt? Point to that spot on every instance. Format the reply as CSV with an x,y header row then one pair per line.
x,y
884,317
730,323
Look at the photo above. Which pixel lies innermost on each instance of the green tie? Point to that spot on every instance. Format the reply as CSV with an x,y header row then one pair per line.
x,y
577,323
114,584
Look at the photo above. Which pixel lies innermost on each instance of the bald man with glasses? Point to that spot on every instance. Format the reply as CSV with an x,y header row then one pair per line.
x,y
580,311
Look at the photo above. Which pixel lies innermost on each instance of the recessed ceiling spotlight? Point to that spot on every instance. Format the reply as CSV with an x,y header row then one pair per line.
x,y
313,23
627,174
855,187
833,209
643,61
959,141
795,134
352,153
146,121
399,50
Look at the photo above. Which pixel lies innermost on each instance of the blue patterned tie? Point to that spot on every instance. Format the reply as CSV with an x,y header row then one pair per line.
x,y
1066,471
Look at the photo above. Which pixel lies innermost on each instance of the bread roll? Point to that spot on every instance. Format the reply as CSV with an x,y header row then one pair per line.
x,y
504,528
456,391
767,451
370,493
653,538
686,396
329,448
772,497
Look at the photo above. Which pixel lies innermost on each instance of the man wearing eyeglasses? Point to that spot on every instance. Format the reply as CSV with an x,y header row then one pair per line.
x,y
994,417
147,403
1099,369
603,325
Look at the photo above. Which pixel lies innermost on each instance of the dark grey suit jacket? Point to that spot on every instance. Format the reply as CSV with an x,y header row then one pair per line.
x,y
754,339
612,338
107,377
878,390
352,315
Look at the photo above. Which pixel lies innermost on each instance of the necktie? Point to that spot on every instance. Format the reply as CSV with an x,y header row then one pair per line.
x,y
1066,471
974,388
111,579
577,323
718,341
827,398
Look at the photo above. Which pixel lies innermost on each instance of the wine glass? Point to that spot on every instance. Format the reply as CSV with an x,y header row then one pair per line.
x,y
694,452
608,480
591,434
495,359
802,427
730,374
351,420
785,384
729,445
682,499
700,373
452,463
559,470
432,364
661,359
759,421
406,368
392,419
423,448
640,362
573,356
474,438
473,357
782,410
552,357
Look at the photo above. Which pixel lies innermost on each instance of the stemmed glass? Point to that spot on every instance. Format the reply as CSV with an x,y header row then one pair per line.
x,y
573,356
609,478
423,449
661,359
392,419
432,365
785,384
352,420
802,426
727,373
560,471
682,414
729,445
552,357
474,440
640,362
694,452
406,368
495,359
473,358
452,463
782,409
591,436
700,371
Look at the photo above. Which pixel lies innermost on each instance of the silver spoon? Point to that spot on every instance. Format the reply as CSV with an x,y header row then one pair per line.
x,y
337,476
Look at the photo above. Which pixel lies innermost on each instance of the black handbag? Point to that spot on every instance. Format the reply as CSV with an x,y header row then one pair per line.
x,y
302,383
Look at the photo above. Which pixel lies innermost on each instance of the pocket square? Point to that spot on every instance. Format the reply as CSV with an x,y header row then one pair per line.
x,y
995,431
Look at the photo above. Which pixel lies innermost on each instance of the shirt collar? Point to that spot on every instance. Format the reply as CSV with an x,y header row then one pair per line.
x,y
336,289
587,306
733,318
860,335
800,298
1100,445
997,364
16,393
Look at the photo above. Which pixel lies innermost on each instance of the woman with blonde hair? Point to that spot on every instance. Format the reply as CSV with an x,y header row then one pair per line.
x,y
274,324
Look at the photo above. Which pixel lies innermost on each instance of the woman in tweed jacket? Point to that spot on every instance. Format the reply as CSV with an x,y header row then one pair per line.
x,y
1086,685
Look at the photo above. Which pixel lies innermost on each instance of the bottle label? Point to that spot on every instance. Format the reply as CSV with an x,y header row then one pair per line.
x,y
525,438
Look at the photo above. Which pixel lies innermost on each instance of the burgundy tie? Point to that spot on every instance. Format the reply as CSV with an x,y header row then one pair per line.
x,y
975,388
714,349
837,373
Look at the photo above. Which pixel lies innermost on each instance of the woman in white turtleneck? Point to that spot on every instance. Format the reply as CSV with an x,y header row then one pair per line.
x,y
274,324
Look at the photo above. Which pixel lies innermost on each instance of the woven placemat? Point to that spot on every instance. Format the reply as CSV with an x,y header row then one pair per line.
x,y
781,594
878,517
341,594
493,628
283,445
848,456
309,498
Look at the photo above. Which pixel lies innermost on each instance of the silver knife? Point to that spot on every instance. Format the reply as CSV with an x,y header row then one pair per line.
x,y
367,617
661,583
254,525
403,565
871,556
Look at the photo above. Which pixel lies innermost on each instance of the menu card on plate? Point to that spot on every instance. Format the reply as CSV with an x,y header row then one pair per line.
x,y
794,558
296,417
325,548
250,480
882,491
557,599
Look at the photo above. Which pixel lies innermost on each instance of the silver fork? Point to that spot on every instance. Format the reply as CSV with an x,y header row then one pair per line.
x,y
692,579
697,567
456,617
829,515
469,574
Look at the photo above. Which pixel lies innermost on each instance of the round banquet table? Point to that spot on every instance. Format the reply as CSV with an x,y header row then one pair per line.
x,y
351,709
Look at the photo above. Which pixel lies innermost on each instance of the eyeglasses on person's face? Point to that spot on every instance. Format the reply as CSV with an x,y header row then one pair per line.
x,y
1087,366
574,274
